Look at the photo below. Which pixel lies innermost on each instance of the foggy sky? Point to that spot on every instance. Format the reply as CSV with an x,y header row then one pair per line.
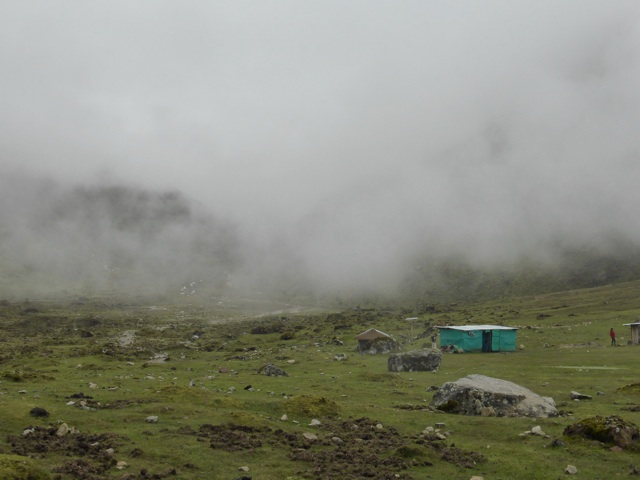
x,y
357,133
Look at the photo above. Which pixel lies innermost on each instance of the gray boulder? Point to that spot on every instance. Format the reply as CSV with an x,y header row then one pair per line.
x,y
427,360
270,370
487,396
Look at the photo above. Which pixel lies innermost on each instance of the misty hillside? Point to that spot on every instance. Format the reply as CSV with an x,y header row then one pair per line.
x,y
109,239
125,240
452,280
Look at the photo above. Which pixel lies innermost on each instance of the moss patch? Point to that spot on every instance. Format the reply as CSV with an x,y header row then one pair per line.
x,y
16,467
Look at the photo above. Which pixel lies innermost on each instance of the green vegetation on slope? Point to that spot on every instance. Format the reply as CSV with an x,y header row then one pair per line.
x,y
174,391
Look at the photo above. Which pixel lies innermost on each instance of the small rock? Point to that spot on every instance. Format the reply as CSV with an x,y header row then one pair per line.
x,y
616,448
151,419
571,470
340,356
243,469
309,436
440,425
580,396
475,477
284,417
62,430
537,430
337,440
38,412
110,452
22,392
121,465
93,385
28,431
379,426
315,423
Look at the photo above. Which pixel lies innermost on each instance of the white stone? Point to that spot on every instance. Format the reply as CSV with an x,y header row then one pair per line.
x,y
537,430
571,470
315,422
151,419
62,430
284,417
309,436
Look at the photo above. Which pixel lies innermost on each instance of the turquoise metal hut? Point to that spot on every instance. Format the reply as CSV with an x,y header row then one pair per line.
x,y
479,338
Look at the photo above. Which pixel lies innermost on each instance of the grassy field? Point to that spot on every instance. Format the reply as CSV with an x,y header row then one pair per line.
x,y
172,390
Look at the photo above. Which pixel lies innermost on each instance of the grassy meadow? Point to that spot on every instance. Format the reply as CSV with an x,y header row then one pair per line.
x,y
172,390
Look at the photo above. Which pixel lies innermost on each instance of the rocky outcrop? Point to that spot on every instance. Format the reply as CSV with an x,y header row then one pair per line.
x,y
487,396
427,360
612,429
270,370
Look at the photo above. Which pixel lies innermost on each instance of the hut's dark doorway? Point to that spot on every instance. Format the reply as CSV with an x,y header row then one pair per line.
x,y
487,340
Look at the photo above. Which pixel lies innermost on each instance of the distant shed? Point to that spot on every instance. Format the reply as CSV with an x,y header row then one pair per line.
x,y
635,332
479,338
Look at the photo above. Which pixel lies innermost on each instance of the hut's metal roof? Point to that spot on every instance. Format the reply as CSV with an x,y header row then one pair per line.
x,y
470,328
371,334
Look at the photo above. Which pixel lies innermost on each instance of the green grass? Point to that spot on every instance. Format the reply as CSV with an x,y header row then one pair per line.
x,y
46,358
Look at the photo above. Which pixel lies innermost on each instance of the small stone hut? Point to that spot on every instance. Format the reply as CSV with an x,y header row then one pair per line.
x,y
479,338
375,341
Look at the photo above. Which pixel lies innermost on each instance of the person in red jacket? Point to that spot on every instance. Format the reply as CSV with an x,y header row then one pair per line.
x,y
612,334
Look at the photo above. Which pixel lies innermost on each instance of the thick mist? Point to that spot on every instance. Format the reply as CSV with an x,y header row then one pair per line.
x,y
331,146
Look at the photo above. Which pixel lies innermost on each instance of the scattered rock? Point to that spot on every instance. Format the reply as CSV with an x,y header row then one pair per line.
x,y
571,470
63,430
310,436
537,430
270,370
481,395
612,429
579,396
427,360
151,419
340,356
284,417
38,412
315,422
243,469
